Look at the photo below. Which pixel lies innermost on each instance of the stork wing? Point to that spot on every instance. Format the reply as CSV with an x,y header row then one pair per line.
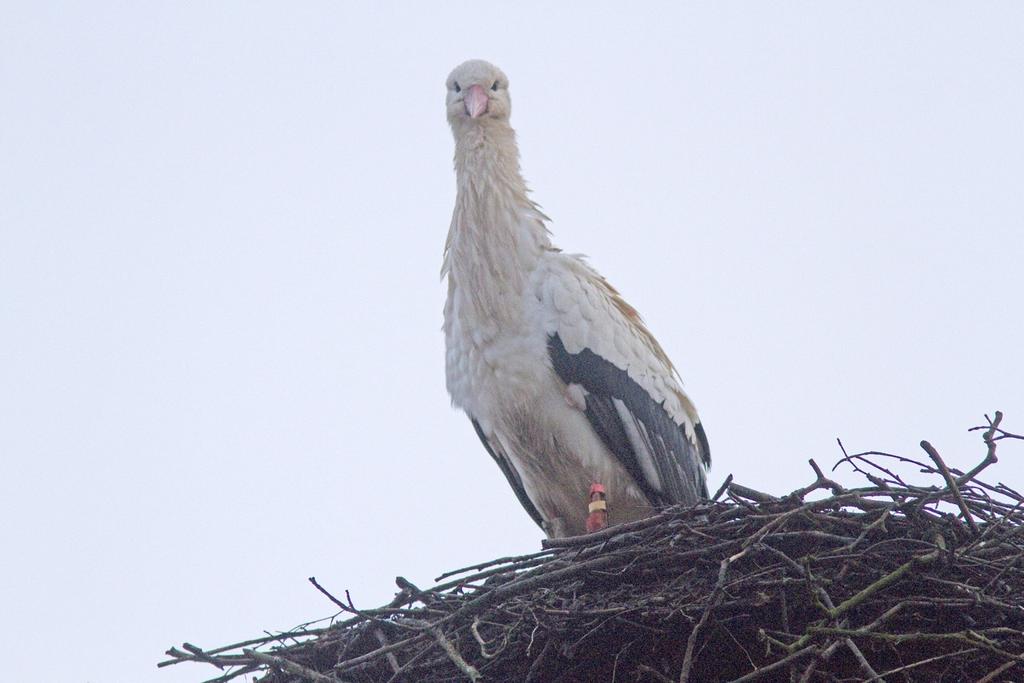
x,y
634,401
509,471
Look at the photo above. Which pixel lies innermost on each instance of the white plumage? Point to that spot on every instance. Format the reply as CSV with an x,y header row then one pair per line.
x,y
563,382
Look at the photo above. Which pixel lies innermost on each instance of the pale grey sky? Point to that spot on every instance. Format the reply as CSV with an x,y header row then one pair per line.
x,y
220,235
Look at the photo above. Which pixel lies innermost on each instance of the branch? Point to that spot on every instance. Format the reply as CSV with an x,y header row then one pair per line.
x,y
291,667
951,483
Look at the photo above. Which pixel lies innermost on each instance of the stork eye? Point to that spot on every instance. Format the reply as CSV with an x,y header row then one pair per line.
x,y
494,87
457,88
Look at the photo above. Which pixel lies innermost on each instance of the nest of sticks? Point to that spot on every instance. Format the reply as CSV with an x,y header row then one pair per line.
x,y
891,581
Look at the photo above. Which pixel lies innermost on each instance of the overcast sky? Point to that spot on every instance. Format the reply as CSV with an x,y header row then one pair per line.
x,y
221,228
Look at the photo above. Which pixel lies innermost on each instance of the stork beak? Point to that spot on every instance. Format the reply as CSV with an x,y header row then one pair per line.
x,y
476,101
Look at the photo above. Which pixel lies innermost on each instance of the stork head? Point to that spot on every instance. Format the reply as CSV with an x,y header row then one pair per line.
x,y
477,95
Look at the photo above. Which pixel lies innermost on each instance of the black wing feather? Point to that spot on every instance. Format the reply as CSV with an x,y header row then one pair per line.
x,y
604,418
676,459
510,473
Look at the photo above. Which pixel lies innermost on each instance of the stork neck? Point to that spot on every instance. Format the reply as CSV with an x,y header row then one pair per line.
x,y
497,233
488,156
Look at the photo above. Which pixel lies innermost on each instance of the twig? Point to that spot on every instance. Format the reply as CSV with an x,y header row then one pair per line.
x,y
713,602
820,482
999,670
378,633
922,662
990,456
862,660
660,677
882,583
475,630
775,666
752,494
722,488
202,656
374,654
512,560
291,667
453,654
951,482
336,601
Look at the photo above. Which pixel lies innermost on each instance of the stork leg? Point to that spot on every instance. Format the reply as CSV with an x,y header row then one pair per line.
x,y
597,518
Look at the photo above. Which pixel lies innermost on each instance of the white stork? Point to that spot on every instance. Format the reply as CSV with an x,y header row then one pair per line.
x,y
560,377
